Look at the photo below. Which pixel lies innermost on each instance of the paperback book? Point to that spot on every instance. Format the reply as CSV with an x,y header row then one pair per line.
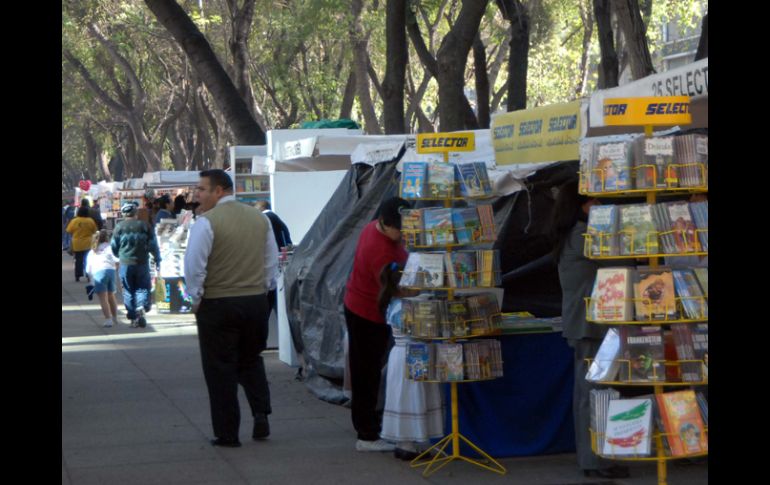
x,y
467,225
413,179
683,227
487,217
412,227
441,180
461,269
690,295
643,354
449,362
628,428
682,423
638,235
613,167
599,402
603,229
654,294
418,361
438,226
469,180
611,299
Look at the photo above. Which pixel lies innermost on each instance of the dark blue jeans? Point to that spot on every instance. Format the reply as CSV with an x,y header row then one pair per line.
x,y
135,279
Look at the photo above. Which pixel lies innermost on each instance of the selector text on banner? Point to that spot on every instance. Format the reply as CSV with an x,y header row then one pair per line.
x,y
545,134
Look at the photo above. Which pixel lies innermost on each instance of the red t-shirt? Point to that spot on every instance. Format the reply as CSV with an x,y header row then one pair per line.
x,y
373,252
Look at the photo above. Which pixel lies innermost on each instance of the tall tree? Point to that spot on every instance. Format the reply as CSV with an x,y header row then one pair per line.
x,y
241,17
451,59
482,81
393,86
635,34
360,39
608,66
212,74
430,63
518,60
588,30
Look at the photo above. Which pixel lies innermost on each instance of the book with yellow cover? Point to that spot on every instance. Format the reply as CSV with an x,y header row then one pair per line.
x,y
682,422
654,294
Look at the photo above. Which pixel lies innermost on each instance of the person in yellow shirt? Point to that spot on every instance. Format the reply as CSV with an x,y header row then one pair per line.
x,y
82,228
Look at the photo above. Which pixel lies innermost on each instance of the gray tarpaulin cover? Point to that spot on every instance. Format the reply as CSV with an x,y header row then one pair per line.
x,y
319,269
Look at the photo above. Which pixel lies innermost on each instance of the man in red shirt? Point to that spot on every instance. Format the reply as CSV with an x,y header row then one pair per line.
x,y
368,335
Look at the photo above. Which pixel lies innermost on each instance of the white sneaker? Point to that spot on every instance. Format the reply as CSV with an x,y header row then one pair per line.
x,y
379,445
108,322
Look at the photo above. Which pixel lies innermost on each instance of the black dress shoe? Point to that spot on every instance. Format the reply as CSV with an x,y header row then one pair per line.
x,y
405,455
261,427
617,471
225,443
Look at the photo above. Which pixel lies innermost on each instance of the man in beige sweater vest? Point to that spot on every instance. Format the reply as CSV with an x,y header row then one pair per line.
x,y
230,262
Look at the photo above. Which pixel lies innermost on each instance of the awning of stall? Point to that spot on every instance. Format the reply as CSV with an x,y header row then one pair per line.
x,y
169,178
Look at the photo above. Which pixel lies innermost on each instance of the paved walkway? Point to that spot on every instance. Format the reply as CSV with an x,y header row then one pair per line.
x,y
135,411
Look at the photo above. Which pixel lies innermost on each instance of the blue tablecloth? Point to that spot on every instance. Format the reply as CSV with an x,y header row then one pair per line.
x,y
529,410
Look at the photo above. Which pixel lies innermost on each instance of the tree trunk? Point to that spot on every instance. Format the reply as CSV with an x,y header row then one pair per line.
x,y
431,65
703,42
349,96
588,30
360,63
92,153
635,34
482,82
395,70
210,71
104,165
608,67
240,23
451,59
518,60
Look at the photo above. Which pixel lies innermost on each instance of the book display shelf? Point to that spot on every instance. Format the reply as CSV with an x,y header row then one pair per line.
x,y
447,329
251,181
658,315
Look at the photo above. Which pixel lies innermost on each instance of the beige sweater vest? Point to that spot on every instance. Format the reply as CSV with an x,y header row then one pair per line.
x,y
236,266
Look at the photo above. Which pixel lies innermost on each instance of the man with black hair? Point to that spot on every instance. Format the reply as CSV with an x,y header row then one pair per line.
x,y
132,243
231,257
368,335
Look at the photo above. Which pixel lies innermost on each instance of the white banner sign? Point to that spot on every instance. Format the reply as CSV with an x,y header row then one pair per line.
x,y
689,80
295,149
373,153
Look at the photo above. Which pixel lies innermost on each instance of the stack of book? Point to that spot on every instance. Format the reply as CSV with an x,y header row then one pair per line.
x,y
624,427
463,269
447,362
477,314
435,180
622,162
645,229
446,226
638,354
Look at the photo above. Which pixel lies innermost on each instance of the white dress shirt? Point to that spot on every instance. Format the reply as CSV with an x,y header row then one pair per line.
x,y
199,246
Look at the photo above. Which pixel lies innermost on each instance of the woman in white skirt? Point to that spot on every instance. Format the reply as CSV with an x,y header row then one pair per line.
x,y
414,411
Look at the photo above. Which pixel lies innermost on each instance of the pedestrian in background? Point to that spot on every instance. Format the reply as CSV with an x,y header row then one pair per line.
x,y
101,264
282,239
132,242
82,229
163,212
231,257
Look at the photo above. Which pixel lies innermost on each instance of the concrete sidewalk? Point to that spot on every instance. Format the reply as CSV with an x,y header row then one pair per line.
x,y
135,411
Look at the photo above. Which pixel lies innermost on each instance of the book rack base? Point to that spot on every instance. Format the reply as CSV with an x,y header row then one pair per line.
x,y
433,463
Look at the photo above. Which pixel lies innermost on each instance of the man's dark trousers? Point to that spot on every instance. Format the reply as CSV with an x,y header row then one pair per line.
x,y
232,333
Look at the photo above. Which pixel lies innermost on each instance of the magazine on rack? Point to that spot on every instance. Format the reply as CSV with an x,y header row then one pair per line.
x,y
413,179
654,294
682,422
642,353
441,180
603,229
